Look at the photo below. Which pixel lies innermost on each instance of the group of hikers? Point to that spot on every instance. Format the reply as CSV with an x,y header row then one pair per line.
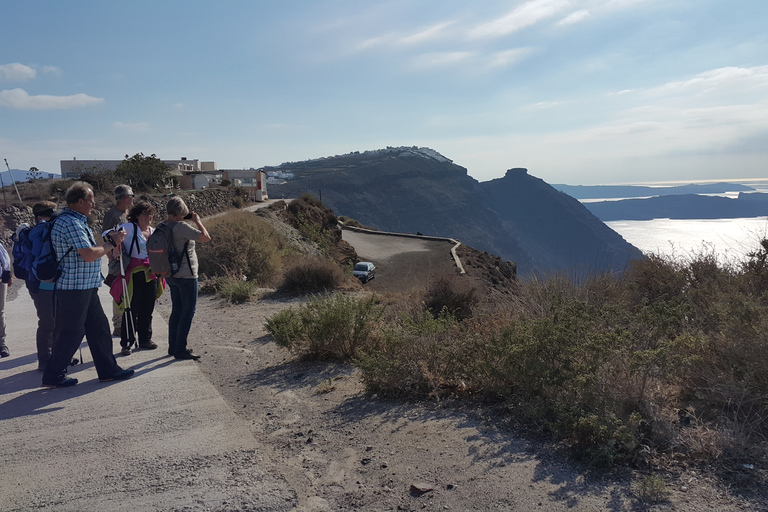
x,y
68,307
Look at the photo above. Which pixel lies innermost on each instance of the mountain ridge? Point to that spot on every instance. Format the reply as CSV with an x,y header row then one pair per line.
x,y
417,190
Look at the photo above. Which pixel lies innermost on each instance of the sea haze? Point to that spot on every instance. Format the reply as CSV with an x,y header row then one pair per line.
x,y
731,239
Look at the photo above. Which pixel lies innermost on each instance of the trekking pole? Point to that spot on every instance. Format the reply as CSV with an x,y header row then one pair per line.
x,y
14,181
127,305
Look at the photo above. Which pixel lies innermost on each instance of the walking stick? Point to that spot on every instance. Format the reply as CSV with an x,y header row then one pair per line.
x,y
127,306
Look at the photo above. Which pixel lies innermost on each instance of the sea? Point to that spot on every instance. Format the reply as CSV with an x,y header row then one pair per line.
x,y
729,239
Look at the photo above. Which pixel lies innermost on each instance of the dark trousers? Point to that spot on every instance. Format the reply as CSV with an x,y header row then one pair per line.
x,y
79,313
142,307
184,300
43,301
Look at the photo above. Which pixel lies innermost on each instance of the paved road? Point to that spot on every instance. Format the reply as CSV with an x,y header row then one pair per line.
x,y
403,263
163,440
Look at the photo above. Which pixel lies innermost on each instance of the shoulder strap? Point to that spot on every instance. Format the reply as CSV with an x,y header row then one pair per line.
x,y
135,240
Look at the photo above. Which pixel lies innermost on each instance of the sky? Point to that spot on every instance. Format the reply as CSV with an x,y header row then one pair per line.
x,y
576,91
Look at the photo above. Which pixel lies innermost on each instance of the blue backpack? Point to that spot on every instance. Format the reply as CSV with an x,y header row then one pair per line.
x,y
46,267
22,252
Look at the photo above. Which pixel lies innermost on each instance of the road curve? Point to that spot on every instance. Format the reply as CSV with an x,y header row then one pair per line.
x,y
403,263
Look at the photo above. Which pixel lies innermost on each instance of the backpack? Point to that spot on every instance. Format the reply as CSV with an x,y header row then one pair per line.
x,y
22,252
46,267
164,259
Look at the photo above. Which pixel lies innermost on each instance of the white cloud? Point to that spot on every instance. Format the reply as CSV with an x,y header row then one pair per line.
x,y
131,127
524,16
16,72
727,79
574,17
51,69
426,34
19,99
506,57
543,105
440,58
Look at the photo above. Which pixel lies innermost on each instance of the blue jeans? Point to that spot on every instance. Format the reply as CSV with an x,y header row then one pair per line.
x,y
184,300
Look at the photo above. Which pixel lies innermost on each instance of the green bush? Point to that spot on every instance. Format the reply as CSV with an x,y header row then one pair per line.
x,y
332,326
242,245
235,290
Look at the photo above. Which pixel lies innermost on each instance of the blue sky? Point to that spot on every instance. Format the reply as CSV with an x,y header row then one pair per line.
x,y
577,91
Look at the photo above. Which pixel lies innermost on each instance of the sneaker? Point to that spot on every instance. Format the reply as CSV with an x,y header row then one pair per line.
x,y
187,354
64,382
4,351
149,345
126,351
120,375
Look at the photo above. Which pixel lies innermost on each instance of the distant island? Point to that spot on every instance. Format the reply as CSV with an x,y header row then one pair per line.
x,y
685,206
629,191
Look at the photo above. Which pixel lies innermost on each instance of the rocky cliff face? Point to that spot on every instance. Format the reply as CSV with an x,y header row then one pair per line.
x,y
518,217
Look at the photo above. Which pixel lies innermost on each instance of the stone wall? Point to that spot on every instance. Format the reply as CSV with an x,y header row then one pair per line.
x,y
203,202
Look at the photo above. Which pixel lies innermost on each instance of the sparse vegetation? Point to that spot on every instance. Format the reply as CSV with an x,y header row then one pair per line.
x,y
242,246
311,275
331,326
667,360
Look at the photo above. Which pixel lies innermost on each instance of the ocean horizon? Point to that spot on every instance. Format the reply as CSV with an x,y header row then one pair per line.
x,y
730,239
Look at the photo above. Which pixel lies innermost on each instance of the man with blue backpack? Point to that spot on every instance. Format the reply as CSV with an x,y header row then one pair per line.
x,y
78,310
28,242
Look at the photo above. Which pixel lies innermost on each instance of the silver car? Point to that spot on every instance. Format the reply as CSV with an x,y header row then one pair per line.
x,y
364,271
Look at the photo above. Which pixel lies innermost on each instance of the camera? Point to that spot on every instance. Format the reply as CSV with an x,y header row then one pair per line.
x,y
189,215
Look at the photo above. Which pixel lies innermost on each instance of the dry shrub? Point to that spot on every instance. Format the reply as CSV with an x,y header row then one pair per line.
x,y
242,244
449,294
311,275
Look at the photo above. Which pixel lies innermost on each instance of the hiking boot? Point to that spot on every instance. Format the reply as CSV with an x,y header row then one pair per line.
x,y
4,351
187,354
149,345
119,375
64,382
126,351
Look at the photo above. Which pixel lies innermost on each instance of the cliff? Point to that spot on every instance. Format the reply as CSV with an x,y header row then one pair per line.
x,y
416,190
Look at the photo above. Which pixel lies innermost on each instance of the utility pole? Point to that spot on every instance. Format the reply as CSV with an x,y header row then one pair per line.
x,y
13,180
2,184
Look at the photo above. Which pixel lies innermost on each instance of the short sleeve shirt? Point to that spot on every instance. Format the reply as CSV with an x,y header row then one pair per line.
x,y
183,233
71,231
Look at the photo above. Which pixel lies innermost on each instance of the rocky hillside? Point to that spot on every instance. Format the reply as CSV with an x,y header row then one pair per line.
x,y
416,190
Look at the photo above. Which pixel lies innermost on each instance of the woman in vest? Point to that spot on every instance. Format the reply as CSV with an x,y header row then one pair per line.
x,y
143,287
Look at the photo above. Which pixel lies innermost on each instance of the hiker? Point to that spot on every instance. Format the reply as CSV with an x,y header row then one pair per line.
x,y
143,286
5,282
42,295
78,310
183,284
114,217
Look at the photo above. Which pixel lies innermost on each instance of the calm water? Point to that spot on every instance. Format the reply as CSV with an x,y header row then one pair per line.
x,y
731,239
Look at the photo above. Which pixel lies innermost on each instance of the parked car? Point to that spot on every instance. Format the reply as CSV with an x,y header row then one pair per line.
x,y
364,271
